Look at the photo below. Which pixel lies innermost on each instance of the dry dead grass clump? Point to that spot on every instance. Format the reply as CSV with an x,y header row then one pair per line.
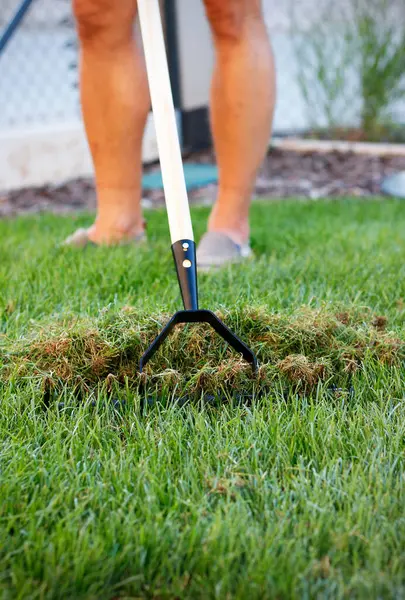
x,y
299,350
299,368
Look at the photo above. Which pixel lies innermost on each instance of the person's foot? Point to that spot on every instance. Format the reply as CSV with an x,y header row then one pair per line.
x,y
217,250
82,238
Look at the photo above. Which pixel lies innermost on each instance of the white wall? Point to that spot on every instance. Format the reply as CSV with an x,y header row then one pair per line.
x,y
42,13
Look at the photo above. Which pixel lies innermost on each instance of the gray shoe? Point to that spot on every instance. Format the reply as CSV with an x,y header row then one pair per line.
x,y
80,239
217,250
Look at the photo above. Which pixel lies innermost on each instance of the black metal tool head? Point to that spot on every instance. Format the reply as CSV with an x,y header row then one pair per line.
x,y
200,316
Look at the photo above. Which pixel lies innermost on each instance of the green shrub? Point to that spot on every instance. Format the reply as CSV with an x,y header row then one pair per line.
x,y
351,64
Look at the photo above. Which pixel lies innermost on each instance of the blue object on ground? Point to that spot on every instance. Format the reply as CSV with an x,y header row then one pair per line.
x,y
394,185
196,175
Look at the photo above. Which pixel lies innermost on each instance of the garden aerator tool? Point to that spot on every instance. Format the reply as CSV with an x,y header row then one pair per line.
x,y
181,231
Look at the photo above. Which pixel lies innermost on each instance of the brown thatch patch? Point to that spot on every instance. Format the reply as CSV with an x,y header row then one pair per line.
x,y
380,322
299,369
301,350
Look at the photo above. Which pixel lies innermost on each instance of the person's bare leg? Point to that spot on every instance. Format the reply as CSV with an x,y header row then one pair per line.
x,y
242,106
115,105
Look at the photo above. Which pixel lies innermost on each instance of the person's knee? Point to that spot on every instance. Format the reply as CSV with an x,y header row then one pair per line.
x,y
228,18
105,23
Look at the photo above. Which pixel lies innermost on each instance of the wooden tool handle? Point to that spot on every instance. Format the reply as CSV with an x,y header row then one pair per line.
x,y
165,121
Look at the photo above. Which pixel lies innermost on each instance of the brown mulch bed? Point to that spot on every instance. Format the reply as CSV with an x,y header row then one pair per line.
x,y
283,174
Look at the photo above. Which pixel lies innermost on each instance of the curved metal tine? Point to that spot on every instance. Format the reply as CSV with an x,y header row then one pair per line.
x,y
232,339
158,341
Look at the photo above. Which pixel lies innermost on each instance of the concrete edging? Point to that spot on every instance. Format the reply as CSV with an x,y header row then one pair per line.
x,y
371,149
56,153
52,154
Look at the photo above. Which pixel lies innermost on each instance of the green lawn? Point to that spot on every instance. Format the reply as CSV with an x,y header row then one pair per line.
x,y
294,495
